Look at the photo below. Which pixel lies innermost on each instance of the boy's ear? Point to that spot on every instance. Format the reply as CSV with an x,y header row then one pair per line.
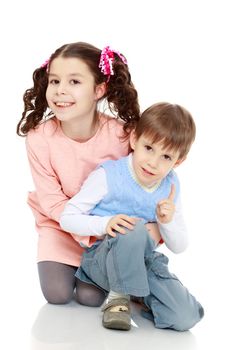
x,y
100,91
178,162
132,139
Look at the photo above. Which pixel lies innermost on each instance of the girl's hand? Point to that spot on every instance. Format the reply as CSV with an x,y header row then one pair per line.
x,y
166,207
118,223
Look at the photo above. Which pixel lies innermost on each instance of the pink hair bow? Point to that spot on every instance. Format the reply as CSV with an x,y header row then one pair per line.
x,y
46,65
106,60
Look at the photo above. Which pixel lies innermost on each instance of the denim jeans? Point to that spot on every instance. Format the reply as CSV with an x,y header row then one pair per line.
x,y
128,264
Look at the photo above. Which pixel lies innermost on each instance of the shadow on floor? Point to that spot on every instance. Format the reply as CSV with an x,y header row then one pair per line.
x,y
74,327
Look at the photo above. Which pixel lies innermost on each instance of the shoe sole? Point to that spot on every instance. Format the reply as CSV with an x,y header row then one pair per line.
x,y
117,325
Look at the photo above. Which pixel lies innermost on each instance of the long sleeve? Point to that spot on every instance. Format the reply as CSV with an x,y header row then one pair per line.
x,y
59,166
75,217
174,233
49,193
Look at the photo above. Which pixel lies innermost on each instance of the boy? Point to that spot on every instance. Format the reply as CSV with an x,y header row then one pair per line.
x,y
120,201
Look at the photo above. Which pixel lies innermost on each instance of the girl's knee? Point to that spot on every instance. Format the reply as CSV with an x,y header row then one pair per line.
x,y
89,299
57,296
57,281
89,295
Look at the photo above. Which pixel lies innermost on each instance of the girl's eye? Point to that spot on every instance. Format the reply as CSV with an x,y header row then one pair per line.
x,y
74,82
54,81
148,148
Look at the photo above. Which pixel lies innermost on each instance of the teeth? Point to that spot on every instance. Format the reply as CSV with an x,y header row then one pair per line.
x,y
63,104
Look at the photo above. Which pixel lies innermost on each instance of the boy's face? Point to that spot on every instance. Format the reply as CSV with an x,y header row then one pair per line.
x,y
151,162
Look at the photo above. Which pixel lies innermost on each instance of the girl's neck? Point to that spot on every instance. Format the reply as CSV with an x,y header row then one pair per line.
x,y
80,130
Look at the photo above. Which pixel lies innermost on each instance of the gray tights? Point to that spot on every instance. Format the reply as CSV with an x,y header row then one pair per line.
x,y
59,285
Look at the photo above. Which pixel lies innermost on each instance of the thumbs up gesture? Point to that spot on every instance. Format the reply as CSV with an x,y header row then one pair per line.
x,y
166,207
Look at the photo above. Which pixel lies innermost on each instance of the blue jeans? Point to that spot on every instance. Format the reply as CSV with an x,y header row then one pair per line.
x,y
128,264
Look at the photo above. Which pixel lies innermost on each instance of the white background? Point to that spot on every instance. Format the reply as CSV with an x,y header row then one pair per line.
x,y
178,51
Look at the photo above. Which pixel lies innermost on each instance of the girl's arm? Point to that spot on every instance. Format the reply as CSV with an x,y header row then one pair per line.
x,y
49,193
76,218
174,233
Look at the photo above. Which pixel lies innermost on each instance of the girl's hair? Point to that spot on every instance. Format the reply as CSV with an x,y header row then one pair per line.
x,y
120,93
169,123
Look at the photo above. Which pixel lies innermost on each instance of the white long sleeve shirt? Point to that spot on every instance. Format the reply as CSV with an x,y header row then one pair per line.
x,y
76,217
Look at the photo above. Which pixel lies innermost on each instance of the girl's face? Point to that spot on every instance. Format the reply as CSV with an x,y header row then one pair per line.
x,y
151,162
71,93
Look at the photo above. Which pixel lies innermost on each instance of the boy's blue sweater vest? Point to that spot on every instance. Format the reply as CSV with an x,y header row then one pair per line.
x,y
126,196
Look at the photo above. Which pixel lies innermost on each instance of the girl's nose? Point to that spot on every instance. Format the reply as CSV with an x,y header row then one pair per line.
x,y
61,89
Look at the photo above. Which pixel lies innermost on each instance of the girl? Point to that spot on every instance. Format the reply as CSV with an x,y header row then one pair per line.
x,y
67,137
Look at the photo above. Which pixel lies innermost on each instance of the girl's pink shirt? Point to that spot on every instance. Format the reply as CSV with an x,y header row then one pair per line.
x,y
59,165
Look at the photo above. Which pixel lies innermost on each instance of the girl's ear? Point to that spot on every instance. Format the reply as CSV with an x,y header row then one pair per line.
x,y
132,139
100,91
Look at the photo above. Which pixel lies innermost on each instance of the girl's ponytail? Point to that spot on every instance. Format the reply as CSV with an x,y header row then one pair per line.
x,y
121,94
35,103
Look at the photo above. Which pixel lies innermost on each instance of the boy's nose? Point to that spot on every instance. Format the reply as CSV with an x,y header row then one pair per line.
x,y
153,162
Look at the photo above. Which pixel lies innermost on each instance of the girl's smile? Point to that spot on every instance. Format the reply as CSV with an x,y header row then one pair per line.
x,y
64,104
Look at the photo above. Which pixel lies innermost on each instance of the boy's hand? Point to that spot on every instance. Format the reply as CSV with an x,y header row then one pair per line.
x,y
166,207
118,223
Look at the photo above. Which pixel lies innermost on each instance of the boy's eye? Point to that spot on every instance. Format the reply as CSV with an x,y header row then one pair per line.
x,y
167,157
148,148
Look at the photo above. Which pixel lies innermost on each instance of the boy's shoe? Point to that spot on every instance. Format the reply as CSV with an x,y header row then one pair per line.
x,y
117,314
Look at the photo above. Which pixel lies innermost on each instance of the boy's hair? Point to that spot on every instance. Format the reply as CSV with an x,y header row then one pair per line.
x,y
121,95
170,124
